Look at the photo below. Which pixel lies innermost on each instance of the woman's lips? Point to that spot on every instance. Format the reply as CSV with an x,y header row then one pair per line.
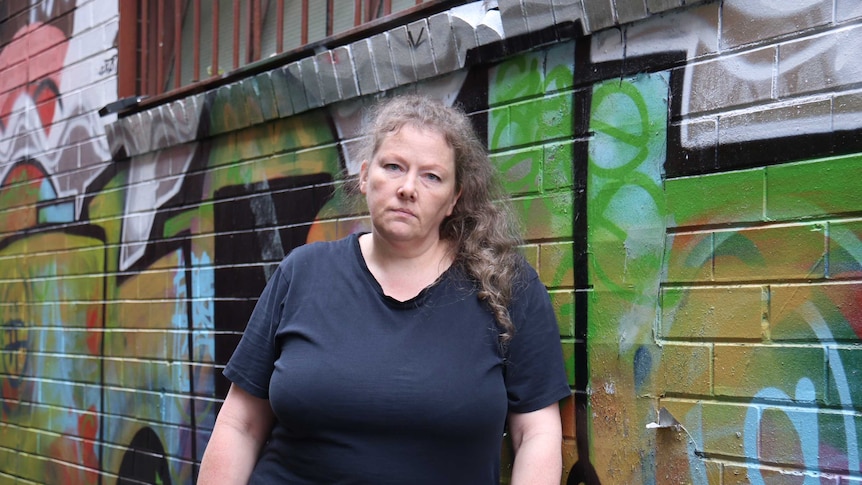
x,y
404,211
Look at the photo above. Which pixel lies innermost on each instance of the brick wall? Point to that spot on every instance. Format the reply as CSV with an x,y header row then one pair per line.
x,y
686,172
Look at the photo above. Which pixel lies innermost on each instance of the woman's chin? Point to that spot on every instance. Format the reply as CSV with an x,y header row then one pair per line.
x,y
402,235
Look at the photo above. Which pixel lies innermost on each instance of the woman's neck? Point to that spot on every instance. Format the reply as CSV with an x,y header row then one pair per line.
x,y
403,273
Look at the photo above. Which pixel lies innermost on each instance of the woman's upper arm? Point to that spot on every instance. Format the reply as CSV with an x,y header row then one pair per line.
x,y
250,415
242,427
537,441
543,422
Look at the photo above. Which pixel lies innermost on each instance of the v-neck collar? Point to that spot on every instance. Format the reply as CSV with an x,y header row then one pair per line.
x,y
413,302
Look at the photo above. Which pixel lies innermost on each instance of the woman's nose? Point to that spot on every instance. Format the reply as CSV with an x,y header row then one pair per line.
x,y
407,190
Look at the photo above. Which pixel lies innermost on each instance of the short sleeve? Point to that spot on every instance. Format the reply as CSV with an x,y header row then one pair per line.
x,y
535,369
252,363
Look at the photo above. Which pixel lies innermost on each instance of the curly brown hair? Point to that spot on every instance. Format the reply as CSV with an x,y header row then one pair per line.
x,y
482,227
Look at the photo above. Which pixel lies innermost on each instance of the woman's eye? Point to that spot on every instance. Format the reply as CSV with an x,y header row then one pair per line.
x,y
433,177
391,166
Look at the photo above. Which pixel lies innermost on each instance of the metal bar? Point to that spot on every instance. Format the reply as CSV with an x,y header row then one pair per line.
x,y
329,19
279,27
196,43
236,19
257,30
215,53
143,72
249,22
357,12
375,7
303,38
128,63
178,37
160,47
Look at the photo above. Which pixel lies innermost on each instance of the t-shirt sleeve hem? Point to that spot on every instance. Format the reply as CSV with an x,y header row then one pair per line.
x,y
541,402
248,386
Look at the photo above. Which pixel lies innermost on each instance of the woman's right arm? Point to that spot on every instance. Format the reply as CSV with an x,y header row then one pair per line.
x,y
242,427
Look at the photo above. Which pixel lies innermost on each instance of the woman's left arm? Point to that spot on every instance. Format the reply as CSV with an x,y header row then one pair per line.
x,y
537,439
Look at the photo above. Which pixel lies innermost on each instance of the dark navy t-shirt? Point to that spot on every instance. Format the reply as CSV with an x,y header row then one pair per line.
x,y
368,389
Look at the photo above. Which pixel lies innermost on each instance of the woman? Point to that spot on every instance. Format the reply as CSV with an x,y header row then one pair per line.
x,y
398,356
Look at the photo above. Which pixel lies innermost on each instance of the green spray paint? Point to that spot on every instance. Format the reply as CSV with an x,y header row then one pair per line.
x,y
626,214
627,209
531,112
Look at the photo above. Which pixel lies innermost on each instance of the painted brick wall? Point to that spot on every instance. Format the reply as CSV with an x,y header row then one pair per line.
x,y
58,66
687,174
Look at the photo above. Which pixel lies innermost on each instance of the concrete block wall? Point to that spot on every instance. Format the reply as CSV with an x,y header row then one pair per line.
x,y
685,171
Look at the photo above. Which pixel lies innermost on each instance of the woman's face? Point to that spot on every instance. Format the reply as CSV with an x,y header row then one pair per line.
x,y
410,185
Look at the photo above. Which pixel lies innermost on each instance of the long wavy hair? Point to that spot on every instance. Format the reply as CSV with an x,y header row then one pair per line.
x,y
482,227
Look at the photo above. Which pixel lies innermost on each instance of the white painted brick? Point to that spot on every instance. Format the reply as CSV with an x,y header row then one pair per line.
x,y
71,102
310,82
345,72
465,38
294,82
699,133
539,14
776,121
826,61
600,14
846,111
87,44
694,30
655,6
382,60
101,92
513,18
607,45
570,11
84,17
106,10
109,31
326,75
847,10
443,43
78,75
402,57
628,11
729,81
745,22
366,79
419,37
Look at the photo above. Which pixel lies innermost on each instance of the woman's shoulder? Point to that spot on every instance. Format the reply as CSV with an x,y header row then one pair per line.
x,y
320,252
525,274
522,273
317,248
528,288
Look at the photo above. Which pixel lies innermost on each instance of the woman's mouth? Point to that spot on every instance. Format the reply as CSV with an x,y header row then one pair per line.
x,y
406,212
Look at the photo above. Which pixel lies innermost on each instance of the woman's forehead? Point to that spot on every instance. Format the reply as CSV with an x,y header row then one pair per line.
x,y
415,128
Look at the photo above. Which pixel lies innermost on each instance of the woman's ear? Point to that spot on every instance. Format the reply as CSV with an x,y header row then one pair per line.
x,y
363,176
454,203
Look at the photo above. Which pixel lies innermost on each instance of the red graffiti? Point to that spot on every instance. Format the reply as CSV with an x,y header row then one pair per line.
x,y
94,336
88,426
31,65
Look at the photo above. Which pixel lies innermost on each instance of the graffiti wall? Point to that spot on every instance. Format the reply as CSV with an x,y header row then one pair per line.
x,y
54,75
687,177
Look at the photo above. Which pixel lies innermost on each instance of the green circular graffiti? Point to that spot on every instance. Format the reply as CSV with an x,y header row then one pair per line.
x,y
605,106
615,107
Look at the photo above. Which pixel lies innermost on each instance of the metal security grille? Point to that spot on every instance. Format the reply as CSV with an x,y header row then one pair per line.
x,y
168,45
